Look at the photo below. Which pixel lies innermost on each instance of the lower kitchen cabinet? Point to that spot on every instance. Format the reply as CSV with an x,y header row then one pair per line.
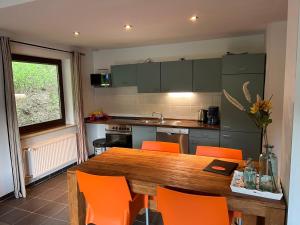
x,y
142,133
203,137
249,143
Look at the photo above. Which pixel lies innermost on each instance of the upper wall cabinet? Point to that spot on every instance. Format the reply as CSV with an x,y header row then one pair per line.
x,y
207,75
177,76
148,77
124,75
244,64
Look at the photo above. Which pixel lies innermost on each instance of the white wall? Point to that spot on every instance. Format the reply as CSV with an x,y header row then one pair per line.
x,y
274,82
126,101
291,127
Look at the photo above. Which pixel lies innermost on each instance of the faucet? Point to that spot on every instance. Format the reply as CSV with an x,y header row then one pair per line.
x,y
161,116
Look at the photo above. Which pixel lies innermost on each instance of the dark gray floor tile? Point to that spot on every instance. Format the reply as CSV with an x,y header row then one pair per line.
x,y
32,219
63,215
51,209
62,199
5,209
138,223
14,216
33,204
51,194
54,222
3,223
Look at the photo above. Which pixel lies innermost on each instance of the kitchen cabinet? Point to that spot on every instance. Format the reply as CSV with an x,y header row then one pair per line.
x,y
207,75
203,137
148,77
177,76
232,119
244,64
249,143
124,75
142,133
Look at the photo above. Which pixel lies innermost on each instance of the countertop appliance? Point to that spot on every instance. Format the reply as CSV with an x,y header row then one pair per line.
x,y
101,80
213,115
176,135
119,135
202,115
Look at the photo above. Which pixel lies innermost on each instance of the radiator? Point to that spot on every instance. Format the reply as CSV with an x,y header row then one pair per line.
x,y
45,157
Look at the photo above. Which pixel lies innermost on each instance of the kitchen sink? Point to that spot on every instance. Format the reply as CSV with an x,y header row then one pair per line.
x,y
153,121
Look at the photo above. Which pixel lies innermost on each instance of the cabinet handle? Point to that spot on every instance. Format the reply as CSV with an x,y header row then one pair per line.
x,y
242,68
226,135
226,126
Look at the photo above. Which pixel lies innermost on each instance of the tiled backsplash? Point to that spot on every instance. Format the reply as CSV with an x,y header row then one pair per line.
x,y
127,102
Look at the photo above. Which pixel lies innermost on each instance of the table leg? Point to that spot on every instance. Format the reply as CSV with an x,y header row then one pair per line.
x,y
275,217
249,220
76,201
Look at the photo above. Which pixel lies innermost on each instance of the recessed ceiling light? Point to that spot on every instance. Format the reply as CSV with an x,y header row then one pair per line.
x,y
76,33
194,18
128,27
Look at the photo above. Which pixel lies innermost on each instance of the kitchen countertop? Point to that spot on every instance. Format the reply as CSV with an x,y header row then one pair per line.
x,y
144,121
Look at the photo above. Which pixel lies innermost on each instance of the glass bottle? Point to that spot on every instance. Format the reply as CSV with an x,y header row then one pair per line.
x,y
268,167
250,175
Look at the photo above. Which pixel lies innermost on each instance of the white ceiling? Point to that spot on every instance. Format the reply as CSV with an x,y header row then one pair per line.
x,y
101,22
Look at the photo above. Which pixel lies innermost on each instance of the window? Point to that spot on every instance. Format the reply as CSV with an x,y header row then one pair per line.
x,y
39,92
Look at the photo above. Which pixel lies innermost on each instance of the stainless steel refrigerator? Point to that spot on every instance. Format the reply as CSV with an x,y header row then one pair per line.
x,y
6,179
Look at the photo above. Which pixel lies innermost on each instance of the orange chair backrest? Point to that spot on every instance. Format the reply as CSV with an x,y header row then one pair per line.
x,y
179,208
219,152
161,146
107,199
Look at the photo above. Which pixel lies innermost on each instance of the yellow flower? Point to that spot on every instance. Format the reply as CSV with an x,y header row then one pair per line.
x,y
266,106
255,107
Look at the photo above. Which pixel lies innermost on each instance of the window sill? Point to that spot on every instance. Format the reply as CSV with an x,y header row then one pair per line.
x,y
47,131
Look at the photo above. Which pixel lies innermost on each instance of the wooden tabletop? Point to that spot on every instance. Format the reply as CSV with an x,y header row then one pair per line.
x,y
144,170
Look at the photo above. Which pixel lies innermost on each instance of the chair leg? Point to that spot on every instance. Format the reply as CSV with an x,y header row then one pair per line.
x,y
147,216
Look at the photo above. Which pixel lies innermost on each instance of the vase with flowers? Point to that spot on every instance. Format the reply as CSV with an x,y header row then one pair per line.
x,y
260,112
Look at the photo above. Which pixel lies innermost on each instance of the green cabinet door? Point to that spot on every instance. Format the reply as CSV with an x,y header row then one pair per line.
x,y
232,119
124,75
207,75
243,63
142,133
249,143
203,137
177,76
148,77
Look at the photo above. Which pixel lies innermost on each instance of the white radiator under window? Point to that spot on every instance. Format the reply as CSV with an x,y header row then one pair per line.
x,y
45,157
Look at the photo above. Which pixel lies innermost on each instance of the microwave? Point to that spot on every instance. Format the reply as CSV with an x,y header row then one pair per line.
x,y
101,80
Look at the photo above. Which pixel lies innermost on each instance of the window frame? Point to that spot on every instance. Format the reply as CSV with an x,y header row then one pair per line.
x,y
49,61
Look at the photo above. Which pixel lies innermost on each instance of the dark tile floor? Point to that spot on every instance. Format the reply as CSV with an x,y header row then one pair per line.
x,y
47,204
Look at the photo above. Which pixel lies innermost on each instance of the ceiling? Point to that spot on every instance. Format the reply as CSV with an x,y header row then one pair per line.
x,y
100,22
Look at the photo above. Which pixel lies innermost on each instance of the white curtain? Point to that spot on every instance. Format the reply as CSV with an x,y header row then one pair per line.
x,y
78,107
12,120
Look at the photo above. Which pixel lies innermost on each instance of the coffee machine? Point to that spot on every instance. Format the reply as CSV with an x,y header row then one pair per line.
x,y
213,115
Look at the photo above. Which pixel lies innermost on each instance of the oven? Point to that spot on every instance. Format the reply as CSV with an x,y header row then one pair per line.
x,y
119,136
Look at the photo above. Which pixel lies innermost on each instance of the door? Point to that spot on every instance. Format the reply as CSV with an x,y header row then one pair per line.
x,y
232,119
207,75
203,137
244,64
148,77
177,76
142,133
249,143
123,75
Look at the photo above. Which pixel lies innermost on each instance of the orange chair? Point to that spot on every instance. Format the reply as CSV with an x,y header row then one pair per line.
x,y
219,152
161,146
227,153
108,199
179,208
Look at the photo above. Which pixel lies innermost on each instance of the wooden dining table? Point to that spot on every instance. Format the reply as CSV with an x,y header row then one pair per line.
x,y
145,170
